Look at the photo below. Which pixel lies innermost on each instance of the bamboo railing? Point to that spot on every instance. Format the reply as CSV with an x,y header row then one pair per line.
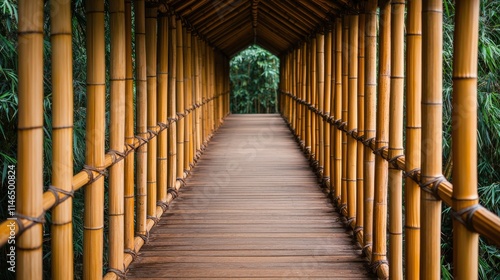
x,y
369,159
160,167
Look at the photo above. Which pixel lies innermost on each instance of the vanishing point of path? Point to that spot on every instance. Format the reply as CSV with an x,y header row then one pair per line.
x,y
252,208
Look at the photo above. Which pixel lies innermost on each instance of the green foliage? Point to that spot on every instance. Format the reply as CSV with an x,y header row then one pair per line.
x,y
254,75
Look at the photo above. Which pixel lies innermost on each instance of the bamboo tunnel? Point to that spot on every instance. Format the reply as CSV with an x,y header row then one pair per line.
x,y
431,151
413,135
117,136
93,244
395,194
62,137
464,137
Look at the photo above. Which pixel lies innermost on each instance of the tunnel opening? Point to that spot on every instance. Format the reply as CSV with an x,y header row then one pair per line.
x,y
254,79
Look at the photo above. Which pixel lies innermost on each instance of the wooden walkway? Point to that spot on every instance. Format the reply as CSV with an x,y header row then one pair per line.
x,y
251,209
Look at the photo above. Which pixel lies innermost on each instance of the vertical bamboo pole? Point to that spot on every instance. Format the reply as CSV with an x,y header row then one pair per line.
x,y
380,207
307,97
320,62
163,78
337,139
395,194
328,107
180,100
304,126
188,96
413,127
370,118
314,101
432,42
204,96
94,153
333,129
172,103
198,111
117,134
30,138
465,242
361,131
352,124
129,133
141,118
62,138
345,112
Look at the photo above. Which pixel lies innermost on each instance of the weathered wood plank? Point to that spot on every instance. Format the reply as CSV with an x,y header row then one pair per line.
x,y
251,209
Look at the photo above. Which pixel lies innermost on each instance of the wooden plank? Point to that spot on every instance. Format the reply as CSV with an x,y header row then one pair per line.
x,y
252,208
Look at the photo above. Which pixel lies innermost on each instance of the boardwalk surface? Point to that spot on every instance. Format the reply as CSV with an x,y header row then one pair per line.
x,y
251,209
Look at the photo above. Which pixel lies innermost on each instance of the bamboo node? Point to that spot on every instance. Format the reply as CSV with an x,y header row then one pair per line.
x,y
122,274
163,205
394,161
55,191
469,212
432,186
173,192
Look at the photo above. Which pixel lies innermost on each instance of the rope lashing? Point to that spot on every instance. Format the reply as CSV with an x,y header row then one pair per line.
x,y
469,214
66,194
163,205
173,192
432,185
90,172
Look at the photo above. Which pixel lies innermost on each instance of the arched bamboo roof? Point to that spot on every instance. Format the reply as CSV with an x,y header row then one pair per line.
x,y
277,26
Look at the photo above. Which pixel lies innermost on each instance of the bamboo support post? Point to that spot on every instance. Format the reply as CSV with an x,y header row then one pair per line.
x,y
188,90
162,108
94,157
345,113
304,127
172,103
328,107
413,133
337,137
378,259
307,97
395,183
352,124
117,136
129,134
361,131
464,137
313,93
141,118
180,100
369,122
30,138
62,138
431,152
320,63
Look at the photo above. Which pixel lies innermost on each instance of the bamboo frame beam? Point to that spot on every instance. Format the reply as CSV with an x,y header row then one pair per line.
x,y
464,138
141,118
413,135
95,137
380,203
117,136
129,134
369,122
62,137
431,151
395,184
30,138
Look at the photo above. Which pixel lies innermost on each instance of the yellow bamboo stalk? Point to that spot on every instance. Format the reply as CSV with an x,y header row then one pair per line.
x,y
314,101
304,126
337,138
369,121
361,130
352,124
62,138
328,107
345,112
413,127
180,99
94,154
395,195
30,138
141,111
307,97
464,113
172,103
198,84
188,97
380,207
320,62
163,78
117,135
432,42
129,133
